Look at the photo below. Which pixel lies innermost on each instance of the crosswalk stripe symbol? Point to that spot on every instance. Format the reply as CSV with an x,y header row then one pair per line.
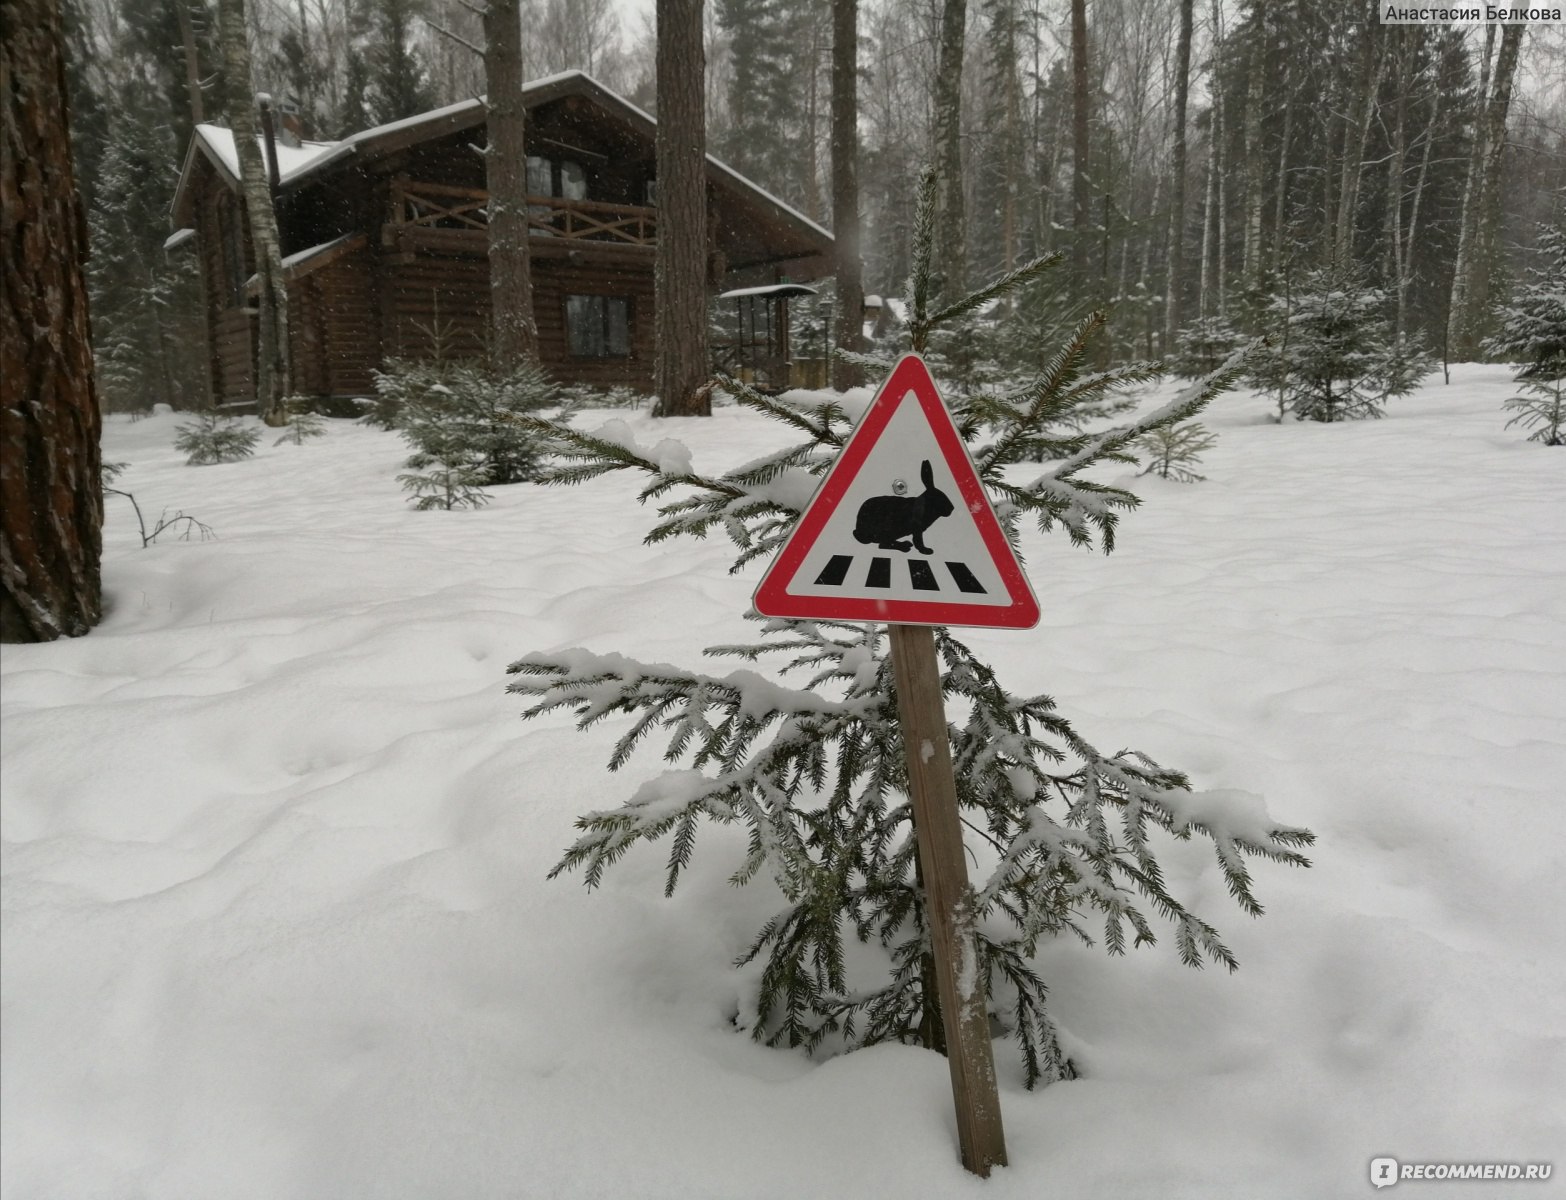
x,y
903,491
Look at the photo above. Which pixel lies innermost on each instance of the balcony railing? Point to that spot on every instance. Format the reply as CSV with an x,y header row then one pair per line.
x,y
451,209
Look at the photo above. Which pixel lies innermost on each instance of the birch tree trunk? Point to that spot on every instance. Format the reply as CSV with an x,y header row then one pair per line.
x,y
272,380
950,217
1457,306
849,334
681,369
513,331
1480,262
1355,135
51,493
1251,265
1172,304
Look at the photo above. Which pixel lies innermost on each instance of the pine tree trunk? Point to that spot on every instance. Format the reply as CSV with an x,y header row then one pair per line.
x,y
1172,314
950,219
1282,185
681,370
272,381
51,493
513,331
1081,180
849,334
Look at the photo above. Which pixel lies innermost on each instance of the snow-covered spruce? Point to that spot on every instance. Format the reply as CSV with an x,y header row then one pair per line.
x,y
1333,356
1533,334
460,419
816,773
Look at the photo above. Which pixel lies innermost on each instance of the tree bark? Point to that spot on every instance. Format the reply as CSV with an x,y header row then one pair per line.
x,y
272,379
681,370
513,331
950,217
1356,132
1251,265
1172,306
1469,318
845,188
51,492
1081,180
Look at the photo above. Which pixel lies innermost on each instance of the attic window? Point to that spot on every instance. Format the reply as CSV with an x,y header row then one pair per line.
x,y
598,326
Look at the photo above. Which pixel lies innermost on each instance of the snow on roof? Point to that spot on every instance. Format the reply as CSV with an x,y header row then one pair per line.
x,y
300,257
291,160
296,162
771,289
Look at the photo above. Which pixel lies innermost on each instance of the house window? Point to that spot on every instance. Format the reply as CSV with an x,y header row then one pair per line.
x,y
598,326
233,251
556,177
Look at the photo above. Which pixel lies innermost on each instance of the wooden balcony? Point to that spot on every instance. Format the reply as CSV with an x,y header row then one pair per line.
x,y
439,218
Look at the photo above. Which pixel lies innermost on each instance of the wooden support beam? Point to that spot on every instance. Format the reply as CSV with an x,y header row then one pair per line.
x,y
948,899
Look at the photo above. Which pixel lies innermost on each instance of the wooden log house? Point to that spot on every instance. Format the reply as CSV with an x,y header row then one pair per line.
x,y
385,242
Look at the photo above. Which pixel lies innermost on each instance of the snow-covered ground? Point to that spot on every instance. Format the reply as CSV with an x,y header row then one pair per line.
x,y
276,921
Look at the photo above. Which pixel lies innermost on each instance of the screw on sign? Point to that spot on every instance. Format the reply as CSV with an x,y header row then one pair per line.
x,y
952,566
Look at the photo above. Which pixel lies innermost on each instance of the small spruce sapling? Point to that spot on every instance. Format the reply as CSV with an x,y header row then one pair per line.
x,y
816,774
447,484
1173,449
461,416
215,438
1533,334
303,422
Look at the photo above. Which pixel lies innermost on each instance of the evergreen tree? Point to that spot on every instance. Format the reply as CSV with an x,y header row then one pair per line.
x,y
770,69
1201,347
146,301
1533,335
1334,357
460,416
816,774
303,422
1172,449
213,438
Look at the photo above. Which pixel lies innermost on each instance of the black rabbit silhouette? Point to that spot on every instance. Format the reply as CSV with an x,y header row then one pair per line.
x,y
899,522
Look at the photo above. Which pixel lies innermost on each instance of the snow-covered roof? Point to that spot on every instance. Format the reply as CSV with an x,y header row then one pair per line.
x,y
295,164
291,160
770,289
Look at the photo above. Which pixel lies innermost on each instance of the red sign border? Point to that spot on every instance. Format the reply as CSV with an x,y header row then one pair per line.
x,y
771,599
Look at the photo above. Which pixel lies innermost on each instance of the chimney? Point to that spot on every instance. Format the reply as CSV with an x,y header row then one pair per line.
x,y
291,131
269,139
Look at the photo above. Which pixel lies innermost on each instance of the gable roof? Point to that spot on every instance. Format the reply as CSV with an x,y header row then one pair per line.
x,y
314,161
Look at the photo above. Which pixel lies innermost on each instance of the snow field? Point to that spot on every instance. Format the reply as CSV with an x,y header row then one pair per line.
x,y
275,916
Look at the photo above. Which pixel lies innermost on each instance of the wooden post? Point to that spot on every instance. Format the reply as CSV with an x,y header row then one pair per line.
x,y
949,900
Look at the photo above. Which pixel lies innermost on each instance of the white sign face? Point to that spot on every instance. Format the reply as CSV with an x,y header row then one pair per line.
x,y
901,529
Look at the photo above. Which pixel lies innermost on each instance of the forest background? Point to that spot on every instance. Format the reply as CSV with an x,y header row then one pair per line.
x,y
1420,160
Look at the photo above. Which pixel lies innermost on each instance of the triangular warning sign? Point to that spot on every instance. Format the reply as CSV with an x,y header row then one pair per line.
x,y
901,529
